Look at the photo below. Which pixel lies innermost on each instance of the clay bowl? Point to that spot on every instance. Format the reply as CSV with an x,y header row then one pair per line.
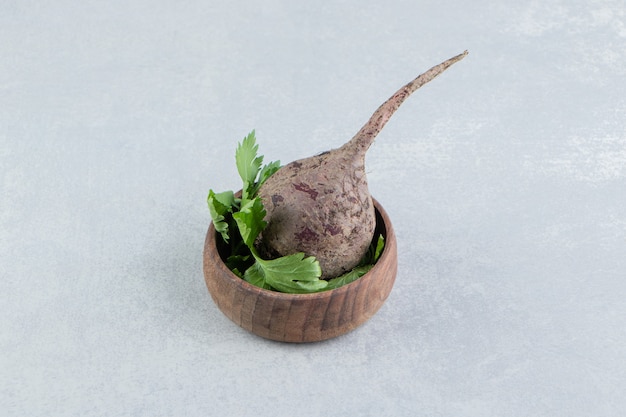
x,y
302,317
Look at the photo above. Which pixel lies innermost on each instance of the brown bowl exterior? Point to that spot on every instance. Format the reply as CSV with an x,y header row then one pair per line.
x,y
302,317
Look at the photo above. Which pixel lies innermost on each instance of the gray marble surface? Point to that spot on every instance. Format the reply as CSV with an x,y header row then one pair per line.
x,y
505,179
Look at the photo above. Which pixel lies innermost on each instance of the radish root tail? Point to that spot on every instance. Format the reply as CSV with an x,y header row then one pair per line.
x,y
365,137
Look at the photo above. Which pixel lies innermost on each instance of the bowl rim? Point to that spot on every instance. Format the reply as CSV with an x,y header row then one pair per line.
x,y
210,249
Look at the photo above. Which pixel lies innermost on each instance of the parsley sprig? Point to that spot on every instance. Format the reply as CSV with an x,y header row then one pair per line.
x,y
239,221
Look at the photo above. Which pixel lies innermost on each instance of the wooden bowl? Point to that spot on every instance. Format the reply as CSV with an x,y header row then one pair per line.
x,y
302,317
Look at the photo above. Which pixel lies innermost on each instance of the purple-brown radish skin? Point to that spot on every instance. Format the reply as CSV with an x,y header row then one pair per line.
x,y
324,204
321,205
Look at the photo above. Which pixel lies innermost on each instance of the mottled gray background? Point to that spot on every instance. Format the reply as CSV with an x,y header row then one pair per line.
x,y
505,179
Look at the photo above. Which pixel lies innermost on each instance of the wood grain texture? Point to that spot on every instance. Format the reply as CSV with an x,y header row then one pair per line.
x,y
302,317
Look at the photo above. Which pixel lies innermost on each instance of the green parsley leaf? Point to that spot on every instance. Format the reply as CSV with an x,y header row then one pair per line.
x,y
248,163
291,273
219,205
267,171
250,221
349,277
380,245
255,276
238,263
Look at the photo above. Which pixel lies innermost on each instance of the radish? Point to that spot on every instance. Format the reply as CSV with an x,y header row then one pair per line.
x,y
321,205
